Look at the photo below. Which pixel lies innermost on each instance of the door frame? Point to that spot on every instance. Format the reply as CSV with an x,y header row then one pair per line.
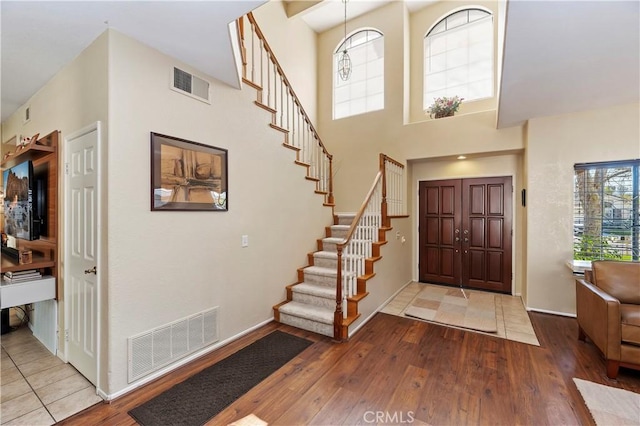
x,y
514,222
97,127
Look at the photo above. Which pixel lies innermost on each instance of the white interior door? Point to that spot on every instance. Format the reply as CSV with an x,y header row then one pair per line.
x,y
81,251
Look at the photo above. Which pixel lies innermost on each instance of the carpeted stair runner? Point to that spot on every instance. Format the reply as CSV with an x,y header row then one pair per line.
x,y
314,299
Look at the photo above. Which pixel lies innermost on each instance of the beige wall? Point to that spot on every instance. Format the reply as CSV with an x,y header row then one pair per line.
x,y
554,145
356,141
294,45
75,98
164,266
499,165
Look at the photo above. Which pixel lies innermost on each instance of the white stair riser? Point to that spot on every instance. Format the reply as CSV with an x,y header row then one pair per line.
x,y
314,300
306,324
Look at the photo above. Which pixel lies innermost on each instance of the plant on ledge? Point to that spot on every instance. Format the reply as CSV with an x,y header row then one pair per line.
x,y
444,107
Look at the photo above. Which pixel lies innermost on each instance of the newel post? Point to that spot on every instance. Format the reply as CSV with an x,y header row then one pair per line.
x,y
383,207
338,316
330,198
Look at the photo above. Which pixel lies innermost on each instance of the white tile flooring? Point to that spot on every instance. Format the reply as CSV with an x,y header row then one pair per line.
x,y
512,318
37,387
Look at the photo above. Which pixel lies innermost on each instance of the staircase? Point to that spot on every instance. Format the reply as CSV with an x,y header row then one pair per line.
x,y
311,302
315,302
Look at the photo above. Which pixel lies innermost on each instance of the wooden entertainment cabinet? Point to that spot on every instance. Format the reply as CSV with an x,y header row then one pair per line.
x,y
44,155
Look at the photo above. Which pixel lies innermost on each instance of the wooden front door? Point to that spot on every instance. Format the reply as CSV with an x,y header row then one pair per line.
x,y
465,232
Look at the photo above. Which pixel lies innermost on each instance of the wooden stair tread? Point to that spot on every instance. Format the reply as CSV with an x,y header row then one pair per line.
x,y
289,146
251,83
265,107
278,128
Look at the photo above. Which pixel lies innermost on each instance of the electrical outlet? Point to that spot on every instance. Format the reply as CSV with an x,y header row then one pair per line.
x,y
397,235
245,241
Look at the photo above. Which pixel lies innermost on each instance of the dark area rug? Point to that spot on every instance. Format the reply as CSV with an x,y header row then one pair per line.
x,y
200,397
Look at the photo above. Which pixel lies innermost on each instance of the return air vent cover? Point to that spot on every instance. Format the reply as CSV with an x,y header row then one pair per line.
x,y
154,349
191,85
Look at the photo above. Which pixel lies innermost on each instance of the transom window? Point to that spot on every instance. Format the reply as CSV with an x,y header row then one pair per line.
x,y
458,57
606,211
364,90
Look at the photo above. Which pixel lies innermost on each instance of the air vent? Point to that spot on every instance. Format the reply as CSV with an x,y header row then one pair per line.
x,y
154,349
191,85
27,115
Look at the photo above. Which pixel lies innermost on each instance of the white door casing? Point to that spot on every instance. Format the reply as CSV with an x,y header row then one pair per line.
x,y
81,253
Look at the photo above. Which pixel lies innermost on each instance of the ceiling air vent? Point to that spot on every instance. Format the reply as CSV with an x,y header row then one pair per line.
x,y
191,85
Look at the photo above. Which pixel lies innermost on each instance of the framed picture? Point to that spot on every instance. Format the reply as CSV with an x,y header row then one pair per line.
x,y
187,175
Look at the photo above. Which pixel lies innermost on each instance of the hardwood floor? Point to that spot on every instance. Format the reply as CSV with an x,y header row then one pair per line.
x,y
400,371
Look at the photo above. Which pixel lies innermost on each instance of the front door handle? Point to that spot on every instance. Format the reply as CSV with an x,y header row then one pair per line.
x,y
91,271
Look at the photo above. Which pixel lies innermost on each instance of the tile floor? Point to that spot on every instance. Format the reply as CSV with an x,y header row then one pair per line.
x,y
37,387
512,318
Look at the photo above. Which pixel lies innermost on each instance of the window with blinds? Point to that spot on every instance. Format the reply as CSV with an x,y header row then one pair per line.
x,y
458,57
364,90
606,219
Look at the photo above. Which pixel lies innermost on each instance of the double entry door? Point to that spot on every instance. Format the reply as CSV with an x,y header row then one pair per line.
x,y
465,230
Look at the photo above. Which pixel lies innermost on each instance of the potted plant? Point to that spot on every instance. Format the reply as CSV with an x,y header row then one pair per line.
x,y
444,107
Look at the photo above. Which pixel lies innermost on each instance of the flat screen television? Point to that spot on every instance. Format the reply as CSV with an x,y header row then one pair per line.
x,y
21,216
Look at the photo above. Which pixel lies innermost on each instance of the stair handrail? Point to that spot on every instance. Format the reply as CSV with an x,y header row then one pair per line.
x,y
379,184
271,55
339,314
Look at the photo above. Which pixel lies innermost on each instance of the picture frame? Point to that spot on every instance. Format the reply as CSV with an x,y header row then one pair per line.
x,y
187,175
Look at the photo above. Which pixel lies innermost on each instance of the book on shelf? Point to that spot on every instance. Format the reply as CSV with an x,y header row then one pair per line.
x,y
11,274
17,277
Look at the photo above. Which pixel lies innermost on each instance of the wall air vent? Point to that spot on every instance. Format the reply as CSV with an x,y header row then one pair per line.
x,y
191,85
163,345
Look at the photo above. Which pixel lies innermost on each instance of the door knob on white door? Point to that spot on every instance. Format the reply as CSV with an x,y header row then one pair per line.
x,y
91,271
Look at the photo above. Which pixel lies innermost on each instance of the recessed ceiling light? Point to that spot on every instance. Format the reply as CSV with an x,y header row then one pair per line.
x,y
461,157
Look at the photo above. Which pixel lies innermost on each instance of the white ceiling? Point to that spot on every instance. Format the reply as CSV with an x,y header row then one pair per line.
x,y
330,13
568,56
40,37
559,57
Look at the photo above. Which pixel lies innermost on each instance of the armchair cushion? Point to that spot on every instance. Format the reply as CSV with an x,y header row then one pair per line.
x,y
630,321
619,279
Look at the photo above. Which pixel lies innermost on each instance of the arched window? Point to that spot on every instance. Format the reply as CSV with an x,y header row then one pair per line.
x,y
458,57
364,90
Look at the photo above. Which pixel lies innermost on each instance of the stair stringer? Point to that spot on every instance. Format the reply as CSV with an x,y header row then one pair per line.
x,y
285,143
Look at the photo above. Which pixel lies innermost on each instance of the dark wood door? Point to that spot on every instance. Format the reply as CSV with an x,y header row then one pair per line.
x,y
439,231
465,232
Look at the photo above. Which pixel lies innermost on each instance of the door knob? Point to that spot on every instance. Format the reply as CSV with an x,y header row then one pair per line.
x,y
466,240
91,271
457,238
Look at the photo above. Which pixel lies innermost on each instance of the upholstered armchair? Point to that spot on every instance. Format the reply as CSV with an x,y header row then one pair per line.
x,y
608,311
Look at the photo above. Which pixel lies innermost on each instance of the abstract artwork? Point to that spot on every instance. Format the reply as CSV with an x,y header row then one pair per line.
x,y
187,175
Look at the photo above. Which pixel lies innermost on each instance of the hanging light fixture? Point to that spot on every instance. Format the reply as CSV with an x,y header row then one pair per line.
x,y
344,61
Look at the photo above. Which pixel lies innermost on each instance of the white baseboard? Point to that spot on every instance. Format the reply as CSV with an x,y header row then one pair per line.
x,y
184,361
546,311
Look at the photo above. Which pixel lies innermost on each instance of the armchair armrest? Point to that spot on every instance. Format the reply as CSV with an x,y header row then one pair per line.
x,y
598,315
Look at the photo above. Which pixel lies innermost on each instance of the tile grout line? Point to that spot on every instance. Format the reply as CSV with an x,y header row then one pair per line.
x,y
32,390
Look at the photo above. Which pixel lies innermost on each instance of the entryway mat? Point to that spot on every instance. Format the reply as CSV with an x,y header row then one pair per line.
x,y
204,395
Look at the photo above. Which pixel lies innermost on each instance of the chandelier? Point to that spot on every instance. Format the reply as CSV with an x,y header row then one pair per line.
x,y
344,61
